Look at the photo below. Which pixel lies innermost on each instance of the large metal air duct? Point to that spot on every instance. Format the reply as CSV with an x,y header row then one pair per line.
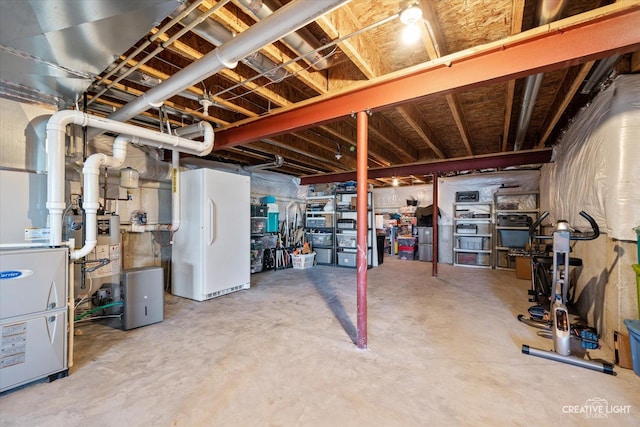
x,y
547,11
282,22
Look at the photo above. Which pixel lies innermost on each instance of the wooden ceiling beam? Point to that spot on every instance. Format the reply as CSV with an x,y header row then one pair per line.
x,y
359,49
517,16
559,106
501,160
366,57
192,54
289,152
382,130
592,35
314,80
458,117
422,128
378,152
436,48
244,156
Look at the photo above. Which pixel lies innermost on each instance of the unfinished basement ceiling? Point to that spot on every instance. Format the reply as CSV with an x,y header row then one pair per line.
x,y
63,52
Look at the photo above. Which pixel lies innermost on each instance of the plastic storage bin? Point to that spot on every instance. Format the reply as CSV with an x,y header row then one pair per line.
x,y
633,326
347,259
346,240
636,268
257,251
473,243
324,256
316,222
272,222
321,239
514,238
409,254
258,225
301,262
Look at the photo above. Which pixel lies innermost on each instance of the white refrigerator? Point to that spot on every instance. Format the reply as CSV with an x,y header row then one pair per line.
x,y
211,250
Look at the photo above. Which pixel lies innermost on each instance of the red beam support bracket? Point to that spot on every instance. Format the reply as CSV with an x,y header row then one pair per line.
x,y
362,226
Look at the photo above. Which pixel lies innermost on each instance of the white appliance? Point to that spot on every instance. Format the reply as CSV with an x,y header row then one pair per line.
x,y
210,255
33,316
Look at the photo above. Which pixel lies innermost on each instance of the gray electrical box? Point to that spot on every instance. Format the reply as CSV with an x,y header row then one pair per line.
x,y
143,293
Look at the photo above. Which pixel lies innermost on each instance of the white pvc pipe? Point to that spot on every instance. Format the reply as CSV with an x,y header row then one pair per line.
x,y
91,174
56,143
293,39
285,20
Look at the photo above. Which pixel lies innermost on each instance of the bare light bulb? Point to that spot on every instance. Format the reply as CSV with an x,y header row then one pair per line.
x,y
411,33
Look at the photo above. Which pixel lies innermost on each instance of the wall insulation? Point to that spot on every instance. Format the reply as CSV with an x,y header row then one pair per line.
x,y
596,165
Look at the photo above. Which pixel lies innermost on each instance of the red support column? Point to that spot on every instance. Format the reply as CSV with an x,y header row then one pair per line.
x,y
362,225
434,268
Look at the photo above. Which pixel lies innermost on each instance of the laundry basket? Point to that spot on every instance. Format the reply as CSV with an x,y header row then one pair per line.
x,y
301,262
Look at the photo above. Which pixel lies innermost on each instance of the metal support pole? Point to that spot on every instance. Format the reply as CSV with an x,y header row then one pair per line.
x,y
434,261
362,226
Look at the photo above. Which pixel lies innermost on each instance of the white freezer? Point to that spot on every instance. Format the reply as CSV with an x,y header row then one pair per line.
x,y
210,255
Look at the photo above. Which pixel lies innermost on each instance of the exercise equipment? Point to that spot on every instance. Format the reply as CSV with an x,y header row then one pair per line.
x,y
558,321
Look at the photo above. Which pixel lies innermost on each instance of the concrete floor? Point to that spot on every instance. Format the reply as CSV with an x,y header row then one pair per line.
x,y
442,352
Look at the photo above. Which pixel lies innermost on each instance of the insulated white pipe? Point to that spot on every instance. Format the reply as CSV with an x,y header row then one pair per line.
x,y
294,40
91,174
285,20
198,129
56,144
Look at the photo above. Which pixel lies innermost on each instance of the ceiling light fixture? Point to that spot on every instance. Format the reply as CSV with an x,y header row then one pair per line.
x,y
394,182
338,153
411,17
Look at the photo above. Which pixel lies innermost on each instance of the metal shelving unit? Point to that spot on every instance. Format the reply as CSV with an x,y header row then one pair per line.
x,y
473,234
515,212
320,223
346,216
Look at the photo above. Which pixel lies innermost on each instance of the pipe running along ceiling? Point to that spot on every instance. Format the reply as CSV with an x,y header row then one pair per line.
x,y
246,61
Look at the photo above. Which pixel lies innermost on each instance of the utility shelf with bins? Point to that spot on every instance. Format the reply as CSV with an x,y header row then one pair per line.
x,y
472,234
346,238
320,222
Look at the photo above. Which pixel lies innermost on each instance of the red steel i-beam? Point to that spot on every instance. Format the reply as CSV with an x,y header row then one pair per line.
x,y
606,31
362,225
434,234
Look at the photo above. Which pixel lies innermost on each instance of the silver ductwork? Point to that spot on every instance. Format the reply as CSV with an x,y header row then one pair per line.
x,y
546,11
603,68
285,20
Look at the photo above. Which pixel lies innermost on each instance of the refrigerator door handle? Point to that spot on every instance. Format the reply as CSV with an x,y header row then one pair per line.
x,y
212,221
